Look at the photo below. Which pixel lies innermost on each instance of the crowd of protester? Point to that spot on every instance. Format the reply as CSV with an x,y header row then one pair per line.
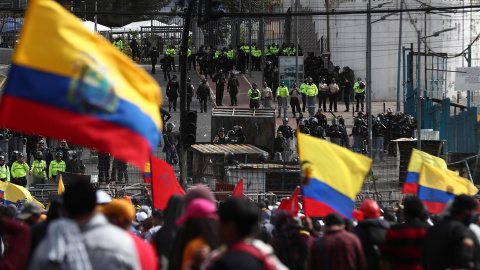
x,y
87,229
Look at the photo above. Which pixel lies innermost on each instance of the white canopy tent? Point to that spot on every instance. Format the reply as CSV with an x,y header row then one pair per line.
x,y
100,28
136,26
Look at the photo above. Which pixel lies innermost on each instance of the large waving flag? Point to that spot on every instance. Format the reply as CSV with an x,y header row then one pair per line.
x,y
291,205
415,165
79,87
334,176
12,193
164,183
437,186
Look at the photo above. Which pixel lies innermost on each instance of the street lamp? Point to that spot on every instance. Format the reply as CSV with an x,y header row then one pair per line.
x,y
419,91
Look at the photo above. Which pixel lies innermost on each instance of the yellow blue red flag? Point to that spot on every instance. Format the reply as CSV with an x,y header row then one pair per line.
x,y
334,176
11,193
437,186
415,165
76,86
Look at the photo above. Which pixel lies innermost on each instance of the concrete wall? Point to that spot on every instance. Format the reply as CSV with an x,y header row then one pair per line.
x,y
348,40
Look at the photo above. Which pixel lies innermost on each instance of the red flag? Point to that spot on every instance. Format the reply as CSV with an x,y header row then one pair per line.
x,y
164,183
291,205
238,192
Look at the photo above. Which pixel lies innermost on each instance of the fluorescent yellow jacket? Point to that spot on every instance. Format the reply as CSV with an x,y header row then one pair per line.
x,y
311,90
56,167
39,168
282,91
5,172
19,170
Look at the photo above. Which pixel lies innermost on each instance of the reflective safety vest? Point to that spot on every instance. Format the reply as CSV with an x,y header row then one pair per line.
x,y
302,88
19,170
291,51
282,91
357,88
251,94
37,168
56,167
171,52
268,52
245,48
311,90
5,172
231,54
256,52
189,52
217,54
274,50
118,44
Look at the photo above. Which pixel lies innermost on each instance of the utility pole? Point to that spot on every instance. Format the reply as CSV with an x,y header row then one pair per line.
x,y
183,88
261,46
96,16
296,44
369,77
399,56
419,97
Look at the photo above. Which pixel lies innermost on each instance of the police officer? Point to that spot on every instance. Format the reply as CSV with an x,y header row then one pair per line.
x,y
171,141
240,138
190,92
254,95
315,129
311,91
335,133
343,130
173,91
19,171
280,144
4,138
103,167
359,88
304,96
322,94
220,137
165,65
282,96
171,57
203,92
302,125
154,55
119,168
39,169
232,87
287,133
333,89
4,170
219,81
256,57
75,165
58,165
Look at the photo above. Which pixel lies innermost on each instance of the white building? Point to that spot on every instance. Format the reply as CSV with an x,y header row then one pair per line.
x,y
348,40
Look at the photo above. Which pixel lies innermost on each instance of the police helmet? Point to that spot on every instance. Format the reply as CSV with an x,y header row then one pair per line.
x,y
38,154
285,119
15,154
389,110
309,79
337,67
295,159
263,157
357,121
341,121
254,84
174,77
229,155
203,180
189,80
398,114
359,79
302,122
335,121
170,126
381,117
268,63
320,110
231,133
59,154
221,129
237,128
41,141
313,121
204,80
278,156
2,158
72,153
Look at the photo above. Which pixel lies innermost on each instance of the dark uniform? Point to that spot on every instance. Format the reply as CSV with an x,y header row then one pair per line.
x,y
119,168
164,63
103,167
190,92
232,88
203,92
75,166
154,55
219,81
173,88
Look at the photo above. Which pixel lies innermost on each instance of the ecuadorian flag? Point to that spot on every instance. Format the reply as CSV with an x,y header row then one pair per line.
x,y
11,193
415,165
437,186
147,173
334,176
66,82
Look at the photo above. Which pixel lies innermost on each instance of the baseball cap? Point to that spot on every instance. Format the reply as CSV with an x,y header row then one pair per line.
x,y
119,207
29,209
199,208
103,197
141,216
